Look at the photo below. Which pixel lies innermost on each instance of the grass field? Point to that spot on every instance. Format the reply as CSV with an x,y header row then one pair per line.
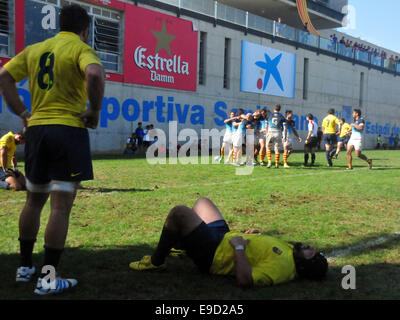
x,y
117,218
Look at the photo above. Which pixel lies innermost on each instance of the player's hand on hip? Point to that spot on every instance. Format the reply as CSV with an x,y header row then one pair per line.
x,y
90,118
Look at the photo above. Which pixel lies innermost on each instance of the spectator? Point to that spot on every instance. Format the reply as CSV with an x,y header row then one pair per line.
x,y
139,135
378,142
151,128
146,137
278,27
391,141
306,28
391,63
131,144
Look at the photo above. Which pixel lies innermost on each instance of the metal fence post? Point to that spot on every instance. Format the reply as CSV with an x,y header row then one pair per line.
x,y
247,23
215,13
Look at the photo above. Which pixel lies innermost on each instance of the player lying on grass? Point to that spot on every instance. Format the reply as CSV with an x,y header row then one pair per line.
x,y
254,259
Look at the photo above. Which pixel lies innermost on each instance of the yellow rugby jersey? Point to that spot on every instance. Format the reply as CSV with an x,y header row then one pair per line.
x,y
345,127
8,141
56,72
271,260
329,123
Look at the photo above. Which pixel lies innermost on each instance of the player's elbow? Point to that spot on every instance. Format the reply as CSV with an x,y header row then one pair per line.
x,y
5,79
244,280
94,73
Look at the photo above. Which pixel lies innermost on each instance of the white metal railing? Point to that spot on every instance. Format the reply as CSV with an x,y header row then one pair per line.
x,y
254,22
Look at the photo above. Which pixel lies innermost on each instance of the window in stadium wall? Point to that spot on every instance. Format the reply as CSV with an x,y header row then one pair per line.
x,y
5,27
105,30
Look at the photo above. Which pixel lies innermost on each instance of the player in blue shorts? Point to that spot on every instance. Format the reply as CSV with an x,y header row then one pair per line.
x,y
288,139
275,125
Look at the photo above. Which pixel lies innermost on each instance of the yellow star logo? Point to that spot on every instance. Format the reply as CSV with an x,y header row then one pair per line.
x,y
163,39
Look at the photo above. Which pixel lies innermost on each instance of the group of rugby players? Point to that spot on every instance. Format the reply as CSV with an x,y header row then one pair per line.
x,y
272,129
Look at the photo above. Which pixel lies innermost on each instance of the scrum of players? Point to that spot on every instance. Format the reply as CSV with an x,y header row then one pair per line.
x,y
271,131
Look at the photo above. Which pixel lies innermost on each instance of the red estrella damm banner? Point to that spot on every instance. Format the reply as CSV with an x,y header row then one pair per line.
x,y
160,50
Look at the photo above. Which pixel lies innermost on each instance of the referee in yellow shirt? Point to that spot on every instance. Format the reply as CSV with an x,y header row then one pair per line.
x,y
64,73
329,129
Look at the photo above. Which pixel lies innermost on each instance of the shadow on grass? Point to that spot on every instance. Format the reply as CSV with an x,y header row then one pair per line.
x,y
103,273
109,190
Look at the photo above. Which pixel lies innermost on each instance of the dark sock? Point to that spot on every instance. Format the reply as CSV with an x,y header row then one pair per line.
x,y
333,152
167,241
306,158
328,157
312,158
52,257
26,249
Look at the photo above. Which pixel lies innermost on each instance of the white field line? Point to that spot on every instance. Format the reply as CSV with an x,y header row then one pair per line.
x,y
362,246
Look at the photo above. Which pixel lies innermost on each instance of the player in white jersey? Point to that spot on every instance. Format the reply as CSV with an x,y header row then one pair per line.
x,y
227,140
311,141
355,142
238,135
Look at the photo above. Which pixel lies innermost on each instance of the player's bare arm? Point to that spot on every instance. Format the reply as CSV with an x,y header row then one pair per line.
x,y
3,158
8,90
14,162
236,124
308,136
358,127
242,267
94,75
297,134
230,119
252,231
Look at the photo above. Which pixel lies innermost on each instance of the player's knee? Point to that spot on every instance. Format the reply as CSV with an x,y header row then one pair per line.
x,y
177,212
202,200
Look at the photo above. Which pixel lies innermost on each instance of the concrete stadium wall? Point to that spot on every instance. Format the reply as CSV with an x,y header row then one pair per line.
x,y
332,84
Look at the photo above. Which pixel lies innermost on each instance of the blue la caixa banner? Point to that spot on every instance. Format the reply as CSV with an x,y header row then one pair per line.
x,y
267,71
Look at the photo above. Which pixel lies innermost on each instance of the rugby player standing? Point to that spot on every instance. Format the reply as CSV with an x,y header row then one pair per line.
x,y
330,132
275,125
355,142
64,73
287,140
